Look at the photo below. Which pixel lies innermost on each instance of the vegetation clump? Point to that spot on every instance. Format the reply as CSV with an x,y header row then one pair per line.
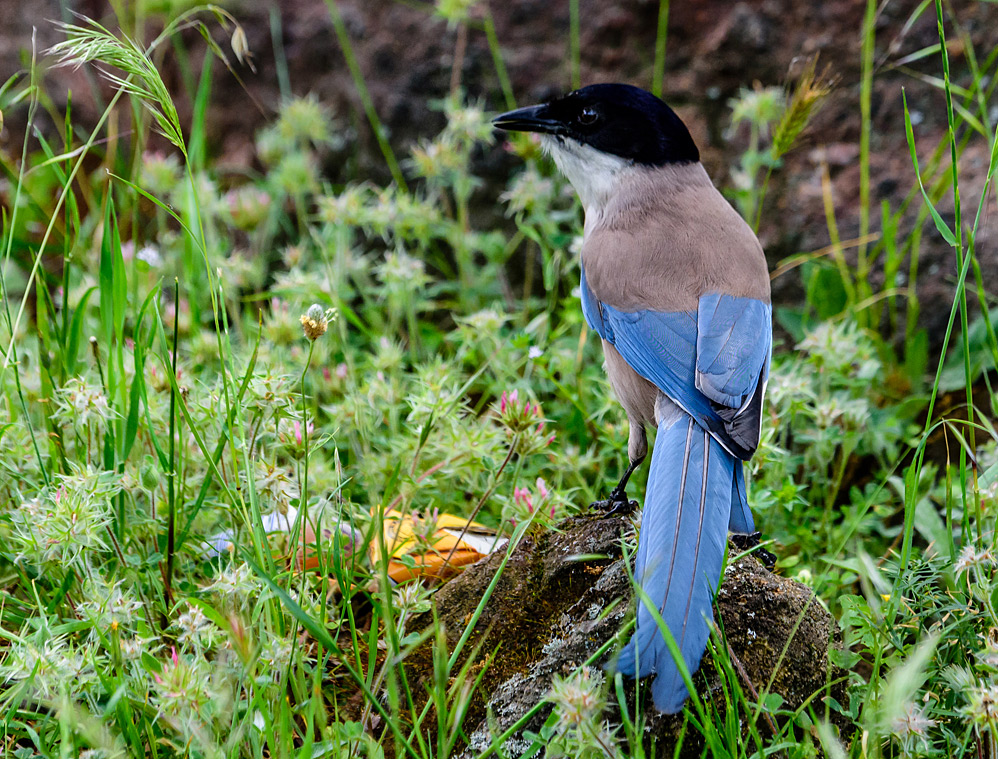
x,y
208,383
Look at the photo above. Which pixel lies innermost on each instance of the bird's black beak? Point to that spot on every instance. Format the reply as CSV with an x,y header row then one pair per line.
x,y
536,118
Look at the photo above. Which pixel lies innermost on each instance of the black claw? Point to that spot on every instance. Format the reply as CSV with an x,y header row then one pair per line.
x,y
750,541
616,504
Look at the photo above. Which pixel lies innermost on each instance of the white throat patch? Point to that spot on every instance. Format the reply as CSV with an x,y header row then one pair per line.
x,y
595,175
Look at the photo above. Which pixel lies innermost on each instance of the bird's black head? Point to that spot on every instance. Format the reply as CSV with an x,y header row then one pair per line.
x,y
618,119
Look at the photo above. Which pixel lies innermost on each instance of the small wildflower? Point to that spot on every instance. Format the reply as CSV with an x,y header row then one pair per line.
x,y
982,706
534,352
277,486
578,698
759,106
401,268
182,687
970,558
67,521
235,583
841,347
133,647
349,208
315,321
248,206
149,255
305,121
436,159
412,598
296,173
525,422
911,721
542,487
424,529
159,174
276,654
108,605
195,628
82,404
528,192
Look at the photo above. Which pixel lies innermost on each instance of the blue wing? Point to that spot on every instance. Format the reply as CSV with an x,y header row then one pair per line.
x,y
713,363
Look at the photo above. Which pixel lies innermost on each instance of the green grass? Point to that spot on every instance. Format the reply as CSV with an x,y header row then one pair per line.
x,y
157,389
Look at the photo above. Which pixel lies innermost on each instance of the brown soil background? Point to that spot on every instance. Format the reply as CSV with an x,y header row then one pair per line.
x,y
714,48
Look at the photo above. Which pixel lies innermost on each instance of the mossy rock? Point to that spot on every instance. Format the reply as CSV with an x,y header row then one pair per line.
x,y
564,593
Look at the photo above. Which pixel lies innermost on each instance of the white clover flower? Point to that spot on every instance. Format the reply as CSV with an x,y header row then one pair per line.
x,y
577,698
68,521
235,582
133,647
149,254
276,654
276,485
528,192
911,721
81,404
971,558
401,269
982,704
348,208
195,629
107,605
51,663
485,322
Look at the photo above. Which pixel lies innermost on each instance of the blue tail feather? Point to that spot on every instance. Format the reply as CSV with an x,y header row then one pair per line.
x,y
741,520
693,483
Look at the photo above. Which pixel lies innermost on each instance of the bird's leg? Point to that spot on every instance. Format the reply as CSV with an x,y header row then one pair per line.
x,y
617,503
637,449
746,542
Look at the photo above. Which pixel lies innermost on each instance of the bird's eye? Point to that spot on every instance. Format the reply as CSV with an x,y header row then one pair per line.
x,y
588,115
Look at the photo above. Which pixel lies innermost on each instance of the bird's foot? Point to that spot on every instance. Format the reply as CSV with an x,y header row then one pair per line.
x,y
751,540
616,504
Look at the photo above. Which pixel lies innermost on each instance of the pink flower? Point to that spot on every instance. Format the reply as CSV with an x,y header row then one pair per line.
x,y
542,487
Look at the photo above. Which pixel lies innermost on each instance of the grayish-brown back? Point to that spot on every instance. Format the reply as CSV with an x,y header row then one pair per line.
x,y
666,237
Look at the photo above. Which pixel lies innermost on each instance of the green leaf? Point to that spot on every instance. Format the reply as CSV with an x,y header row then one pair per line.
x,y
825,292
72,357
113,295
941,225
989,478
916,356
